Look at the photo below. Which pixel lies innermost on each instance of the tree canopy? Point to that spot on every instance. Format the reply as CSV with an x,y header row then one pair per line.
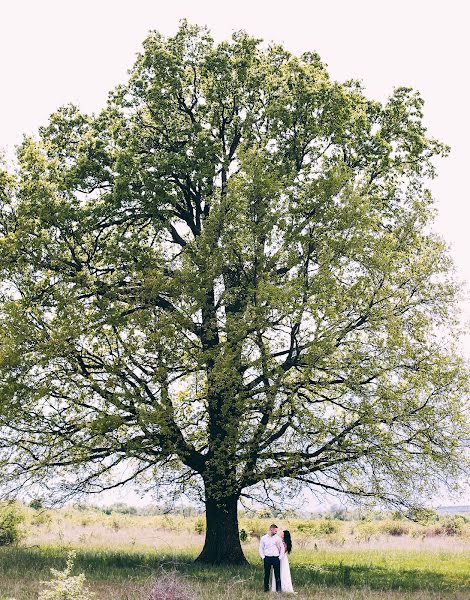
x,y
227,278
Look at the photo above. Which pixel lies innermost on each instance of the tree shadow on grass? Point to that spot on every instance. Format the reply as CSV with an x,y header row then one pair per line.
x,y
123,566
96,564
377,577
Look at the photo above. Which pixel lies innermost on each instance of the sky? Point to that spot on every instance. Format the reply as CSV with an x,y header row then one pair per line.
x,y
53,52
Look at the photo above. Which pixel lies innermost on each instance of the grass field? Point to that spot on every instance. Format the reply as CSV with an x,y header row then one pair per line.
x,y
122,554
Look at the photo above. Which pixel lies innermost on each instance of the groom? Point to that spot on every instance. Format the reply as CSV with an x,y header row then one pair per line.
x,y
270,550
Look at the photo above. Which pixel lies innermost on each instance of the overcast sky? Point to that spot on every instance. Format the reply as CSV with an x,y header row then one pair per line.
x,y
57,51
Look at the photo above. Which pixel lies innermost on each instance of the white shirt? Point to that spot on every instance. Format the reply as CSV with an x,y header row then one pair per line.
x,y
271,545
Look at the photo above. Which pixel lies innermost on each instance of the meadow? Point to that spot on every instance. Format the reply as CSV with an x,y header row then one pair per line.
x,y
121,554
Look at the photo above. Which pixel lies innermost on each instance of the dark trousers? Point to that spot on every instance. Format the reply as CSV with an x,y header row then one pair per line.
x,y
275,563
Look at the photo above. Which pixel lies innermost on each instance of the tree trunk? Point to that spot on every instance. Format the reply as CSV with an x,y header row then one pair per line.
x,y
222,545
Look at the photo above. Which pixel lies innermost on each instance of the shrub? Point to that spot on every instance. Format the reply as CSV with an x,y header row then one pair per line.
x,y
257,528
199,526
36,503
395,528
244,537
169,523
452,525
10,519
424,516
398,529
170,586
365,530
123,509
41,517
307,528
318,528
327,527
65,586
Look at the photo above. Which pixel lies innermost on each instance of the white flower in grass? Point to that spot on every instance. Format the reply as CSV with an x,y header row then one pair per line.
x,y
65,586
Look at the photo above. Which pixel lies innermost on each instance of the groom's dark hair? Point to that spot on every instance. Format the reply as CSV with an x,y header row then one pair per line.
x,y
273,526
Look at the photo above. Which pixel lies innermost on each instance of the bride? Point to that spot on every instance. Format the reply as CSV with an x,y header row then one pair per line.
x,y
286,580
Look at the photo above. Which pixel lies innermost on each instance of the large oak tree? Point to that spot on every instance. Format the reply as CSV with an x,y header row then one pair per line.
x,y
224,279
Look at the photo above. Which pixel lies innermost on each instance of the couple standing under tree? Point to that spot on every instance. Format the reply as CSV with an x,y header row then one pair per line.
x,y
274,550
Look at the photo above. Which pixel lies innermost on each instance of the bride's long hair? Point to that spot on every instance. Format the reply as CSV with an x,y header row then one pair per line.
x,y
288,541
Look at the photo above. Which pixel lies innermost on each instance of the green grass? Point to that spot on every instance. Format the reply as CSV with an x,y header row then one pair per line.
x,y
383,570
354,560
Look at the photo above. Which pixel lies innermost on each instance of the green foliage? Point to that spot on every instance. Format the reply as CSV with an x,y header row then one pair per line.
x,y
65,586
244,536
41,517
365,531
340,514
36,503
424,516
395,528
257,527
123,509
318,528
11,518
327,527
228,277
451,525
199,526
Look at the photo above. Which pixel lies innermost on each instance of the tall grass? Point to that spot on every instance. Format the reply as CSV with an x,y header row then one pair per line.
x,y
372,570
121,554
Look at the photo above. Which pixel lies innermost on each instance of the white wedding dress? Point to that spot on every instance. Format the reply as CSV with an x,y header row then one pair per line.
x,y
286,579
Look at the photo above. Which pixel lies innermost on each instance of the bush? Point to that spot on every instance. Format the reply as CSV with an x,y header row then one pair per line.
x,y
307,528
327,527
169,523
395,528
36,503
170,586
41,517
365,530
123,509
65,586
452,525
317,528
244,537
10,519
398,530
257,528
424,516
199,526
340,514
